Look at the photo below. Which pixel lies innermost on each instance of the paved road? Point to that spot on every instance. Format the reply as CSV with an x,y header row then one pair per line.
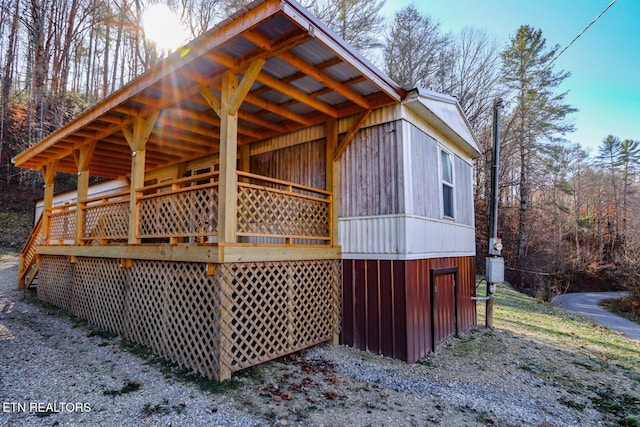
x,y
586,303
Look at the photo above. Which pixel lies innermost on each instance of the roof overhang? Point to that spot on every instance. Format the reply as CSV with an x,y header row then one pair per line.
x,y
445,114
310,76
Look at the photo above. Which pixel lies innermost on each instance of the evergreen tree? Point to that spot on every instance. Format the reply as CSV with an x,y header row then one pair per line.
x,y
539,114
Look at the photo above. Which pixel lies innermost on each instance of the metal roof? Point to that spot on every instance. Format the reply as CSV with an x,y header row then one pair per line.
x,y
309,77
445,114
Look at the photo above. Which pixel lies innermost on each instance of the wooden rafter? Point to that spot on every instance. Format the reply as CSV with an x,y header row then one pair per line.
x,y
274,83
340,149
267,41
311,71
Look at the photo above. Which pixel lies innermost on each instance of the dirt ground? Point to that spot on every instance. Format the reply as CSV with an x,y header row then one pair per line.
x,y
501,377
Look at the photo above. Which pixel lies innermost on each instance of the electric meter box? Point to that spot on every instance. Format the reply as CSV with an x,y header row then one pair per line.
x,y
495,270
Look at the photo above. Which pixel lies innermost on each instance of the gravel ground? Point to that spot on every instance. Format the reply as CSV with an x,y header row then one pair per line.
x,y
57,370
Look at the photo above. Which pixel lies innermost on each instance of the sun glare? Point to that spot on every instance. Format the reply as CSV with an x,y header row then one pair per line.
x,y
162,27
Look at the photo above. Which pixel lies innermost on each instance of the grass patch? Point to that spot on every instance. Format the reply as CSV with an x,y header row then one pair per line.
x,y
618,405
16,229
162,408
627,307
172,370
128,387
560,329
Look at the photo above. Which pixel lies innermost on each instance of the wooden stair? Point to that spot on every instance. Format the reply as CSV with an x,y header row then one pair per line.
x,y
29,261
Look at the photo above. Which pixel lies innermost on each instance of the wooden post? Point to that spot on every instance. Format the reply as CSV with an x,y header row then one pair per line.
x,y
231,98
227,192
48,174
332,177
137,140
82,158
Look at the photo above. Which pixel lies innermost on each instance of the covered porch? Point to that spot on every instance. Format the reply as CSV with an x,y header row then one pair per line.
x,y
231,263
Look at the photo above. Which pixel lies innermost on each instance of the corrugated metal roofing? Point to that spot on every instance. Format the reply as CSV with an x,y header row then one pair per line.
x,y
310,76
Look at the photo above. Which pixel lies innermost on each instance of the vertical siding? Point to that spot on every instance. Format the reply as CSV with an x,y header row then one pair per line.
x,y
425,177
464,191
302,164
374,307
371,181
444,316
418,310
386,305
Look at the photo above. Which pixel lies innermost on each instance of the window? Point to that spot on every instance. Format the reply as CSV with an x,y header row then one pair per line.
x,y
446,165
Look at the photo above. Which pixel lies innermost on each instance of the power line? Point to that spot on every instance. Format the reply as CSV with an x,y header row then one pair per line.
x,y
580,34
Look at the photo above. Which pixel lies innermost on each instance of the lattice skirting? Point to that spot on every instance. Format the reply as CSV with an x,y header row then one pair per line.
x,y
241,315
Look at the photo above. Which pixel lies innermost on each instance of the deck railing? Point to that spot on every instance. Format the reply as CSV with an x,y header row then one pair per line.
x,y
274,209
62,224
185,210
106,218
28,256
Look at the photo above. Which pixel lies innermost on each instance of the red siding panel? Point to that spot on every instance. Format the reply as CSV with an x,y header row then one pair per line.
x,y
387,327
387,307
399,310
348,312
373,305
360,305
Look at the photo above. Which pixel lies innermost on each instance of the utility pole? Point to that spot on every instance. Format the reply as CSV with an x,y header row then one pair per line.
x,y
495,263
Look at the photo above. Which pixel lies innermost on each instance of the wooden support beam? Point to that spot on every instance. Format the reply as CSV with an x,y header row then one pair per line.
x,y
340,149
332,176
278,85
82,157
137,139
240,93
48,175
227,192
211,99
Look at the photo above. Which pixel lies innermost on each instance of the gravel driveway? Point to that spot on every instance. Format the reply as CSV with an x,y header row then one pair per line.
x,y
57,370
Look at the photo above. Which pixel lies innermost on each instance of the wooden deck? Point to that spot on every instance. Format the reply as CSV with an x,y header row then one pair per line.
x,y
177,220
212,307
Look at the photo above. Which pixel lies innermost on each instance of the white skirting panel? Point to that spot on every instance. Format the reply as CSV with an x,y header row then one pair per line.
x,y
403,237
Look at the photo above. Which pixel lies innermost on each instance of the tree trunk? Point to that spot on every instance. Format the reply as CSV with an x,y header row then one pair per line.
x,y
523,186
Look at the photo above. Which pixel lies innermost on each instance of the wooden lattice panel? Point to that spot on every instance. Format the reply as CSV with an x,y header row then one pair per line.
x,y
315,318
212,324
55,281
182,214
268,212
62,225
192,319
145,304
107,222
99,292
264,314
173,308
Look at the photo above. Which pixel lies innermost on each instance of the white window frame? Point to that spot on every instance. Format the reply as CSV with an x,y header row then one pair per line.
x,y
443,183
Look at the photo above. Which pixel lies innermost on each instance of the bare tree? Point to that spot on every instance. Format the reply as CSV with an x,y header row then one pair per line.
x,y
358,22
414,49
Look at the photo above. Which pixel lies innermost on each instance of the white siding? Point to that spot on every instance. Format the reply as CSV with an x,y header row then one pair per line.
x,y
404,237
425,176
371,179
464,192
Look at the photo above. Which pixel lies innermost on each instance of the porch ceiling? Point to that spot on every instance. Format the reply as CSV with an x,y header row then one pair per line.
x,y
309,77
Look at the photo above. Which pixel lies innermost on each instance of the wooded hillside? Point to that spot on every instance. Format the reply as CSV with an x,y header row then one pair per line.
x,y
566,216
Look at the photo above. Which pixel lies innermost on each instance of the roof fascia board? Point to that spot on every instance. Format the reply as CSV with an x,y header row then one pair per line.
x,y
415,101
322,33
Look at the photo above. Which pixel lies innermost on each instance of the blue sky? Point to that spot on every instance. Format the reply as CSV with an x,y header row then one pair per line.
x,y
604,62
